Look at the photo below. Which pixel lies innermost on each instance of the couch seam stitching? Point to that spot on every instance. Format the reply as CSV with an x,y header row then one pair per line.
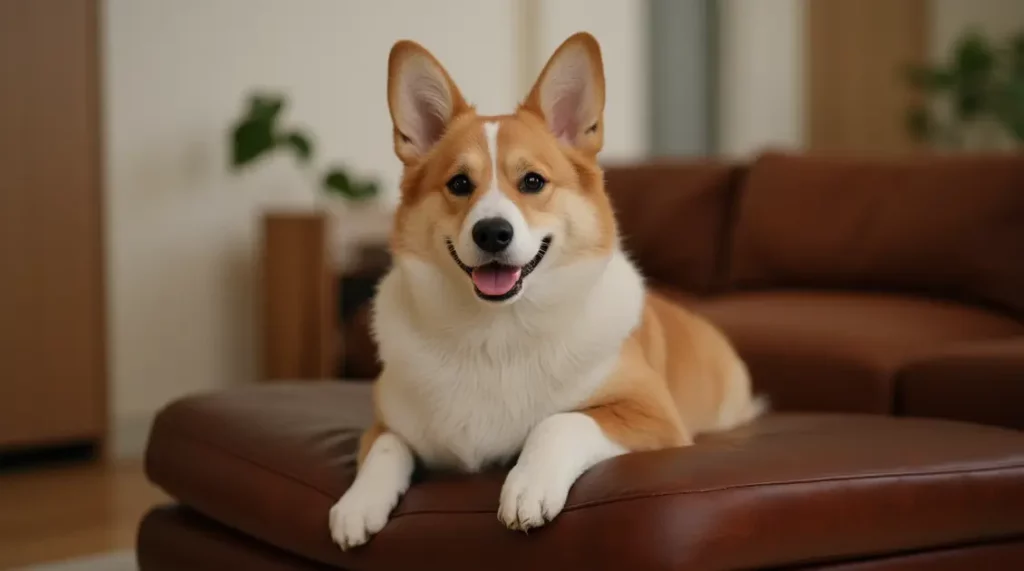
x,y
187,436
184,435
862,477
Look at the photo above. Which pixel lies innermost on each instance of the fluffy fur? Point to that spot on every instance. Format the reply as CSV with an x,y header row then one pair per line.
x,y
577,365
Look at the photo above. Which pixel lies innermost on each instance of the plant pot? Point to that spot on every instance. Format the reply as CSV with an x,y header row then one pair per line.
x,y
357,244
358,233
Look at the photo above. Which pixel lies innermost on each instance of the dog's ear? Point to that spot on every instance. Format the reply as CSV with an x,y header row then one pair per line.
x,y
569,94
422,99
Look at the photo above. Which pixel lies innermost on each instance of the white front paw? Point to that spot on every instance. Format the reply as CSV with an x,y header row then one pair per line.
x,y
532,495
358,515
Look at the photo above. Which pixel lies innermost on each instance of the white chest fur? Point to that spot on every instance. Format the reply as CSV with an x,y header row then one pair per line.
x,y
464,383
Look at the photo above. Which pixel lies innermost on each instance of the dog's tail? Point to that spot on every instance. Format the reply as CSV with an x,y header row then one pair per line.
x,y
740,405
757,407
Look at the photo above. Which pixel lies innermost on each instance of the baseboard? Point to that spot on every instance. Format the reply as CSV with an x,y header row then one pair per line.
x,y
131,432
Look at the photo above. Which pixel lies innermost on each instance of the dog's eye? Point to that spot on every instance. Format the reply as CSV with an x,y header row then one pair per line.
x,y
460,185
532,182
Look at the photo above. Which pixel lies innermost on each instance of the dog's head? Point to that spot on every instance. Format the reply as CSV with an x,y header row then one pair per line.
x,y
498,202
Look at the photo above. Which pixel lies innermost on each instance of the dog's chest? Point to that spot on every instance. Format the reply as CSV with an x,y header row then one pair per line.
x,y
469,401
464,387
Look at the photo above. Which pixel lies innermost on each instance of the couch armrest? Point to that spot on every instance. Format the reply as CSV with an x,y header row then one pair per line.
x,y
981,381
674,217
270,461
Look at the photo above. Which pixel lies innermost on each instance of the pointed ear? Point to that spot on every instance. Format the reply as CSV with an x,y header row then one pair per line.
x,y
569,94
422,98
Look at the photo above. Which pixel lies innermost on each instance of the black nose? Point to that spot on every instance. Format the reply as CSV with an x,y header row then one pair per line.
x,y
492,234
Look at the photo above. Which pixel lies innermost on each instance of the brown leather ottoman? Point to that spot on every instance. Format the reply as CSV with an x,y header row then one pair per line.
x,y
258,470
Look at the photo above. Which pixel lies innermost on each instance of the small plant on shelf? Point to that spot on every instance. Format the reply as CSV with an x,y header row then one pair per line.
x,y
259,133
981,86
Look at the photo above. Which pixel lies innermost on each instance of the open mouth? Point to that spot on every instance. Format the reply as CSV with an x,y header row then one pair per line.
x,y
495,281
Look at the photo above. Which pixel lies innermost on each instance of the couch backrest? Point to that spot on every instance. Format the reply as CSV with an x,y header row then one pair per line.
x,y
674,219
945,225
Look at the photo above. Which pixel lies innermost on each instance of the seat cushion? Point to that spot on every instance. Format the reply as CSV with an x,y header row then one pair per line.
x,y
977,382
270,461
176,538
951,226
674,217
830,351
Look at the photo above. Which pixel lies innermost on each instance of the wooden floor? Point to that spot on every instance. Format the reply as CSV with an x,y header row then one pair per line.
x,y
55,513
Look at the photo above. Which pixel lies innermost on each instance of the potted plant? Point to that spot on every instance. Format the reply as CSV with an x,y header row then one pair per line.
x,y
358,223
259,133
973,101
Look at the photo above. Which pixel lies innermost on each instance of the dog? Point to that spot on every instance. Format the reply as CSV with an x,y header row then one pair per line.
x,y
512,324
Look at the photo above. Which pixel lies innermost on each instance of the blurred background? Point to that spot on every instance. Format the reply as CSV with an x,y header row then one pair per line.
x,y
149,149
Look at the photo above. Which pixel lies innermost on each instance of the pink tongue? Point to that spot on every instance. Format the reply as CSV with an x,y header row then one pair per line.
x,y
495,280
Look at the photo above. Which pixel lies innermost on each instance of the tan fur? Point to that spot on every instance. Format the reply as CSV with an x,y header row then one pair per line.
x,y
366,441
677,375
426,209
590,139
575,362
371,434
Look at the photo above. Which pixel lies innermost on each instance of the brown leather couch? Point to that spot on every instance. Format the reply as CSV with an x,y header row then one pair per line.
x,y
881,286
894,288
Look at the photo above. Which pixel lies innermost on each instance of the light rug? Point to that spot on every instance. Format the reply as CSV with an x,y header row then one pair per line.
x,y
118,561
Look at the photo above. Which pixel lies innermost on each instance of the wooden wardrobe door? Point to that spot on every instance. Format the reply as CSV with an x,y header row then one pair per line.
x,y
856,51
52,373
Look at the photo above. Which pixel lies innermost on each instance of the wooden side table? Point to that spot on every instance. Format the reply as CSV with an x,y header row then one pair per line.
x,y
300,336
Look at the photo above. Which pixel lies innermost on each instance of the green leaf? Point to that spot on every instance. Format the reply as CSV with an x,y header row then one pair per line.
x,y
970,103
301,144
1017,55
919,123
973,55
974,72
265,107
253,134
1009,106
364,190
250,140
930,79
337,181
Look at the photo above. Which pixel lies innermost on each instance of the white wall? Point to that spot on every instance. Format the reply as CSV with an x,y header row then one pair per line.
x,y
761,75
182,231
621,29
950,18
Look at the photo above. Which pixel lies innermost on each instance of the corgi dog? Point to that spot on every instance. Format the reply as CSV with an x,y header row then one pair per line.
x,y
512,325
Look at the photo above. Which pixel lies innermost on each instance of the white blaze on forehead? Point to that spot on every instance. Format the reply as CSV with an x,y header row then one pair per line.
x,y
494,204
491,135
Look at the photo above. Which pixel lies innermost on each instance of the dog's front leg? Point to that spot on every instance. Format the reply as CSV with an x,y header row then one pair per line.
x,y
386,465
556,452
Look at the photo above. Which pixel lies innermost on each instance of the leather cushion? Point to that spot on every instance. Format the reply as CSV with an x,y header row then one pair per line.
x,y
978,382
830,351
674,218
1003,555
175,538
270,462
951,226
172,538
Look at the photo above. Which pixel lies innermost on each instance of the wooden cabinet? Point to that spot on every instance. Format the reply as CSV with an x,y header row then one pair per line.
x,y
300,339
857,51
315,319
52,332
